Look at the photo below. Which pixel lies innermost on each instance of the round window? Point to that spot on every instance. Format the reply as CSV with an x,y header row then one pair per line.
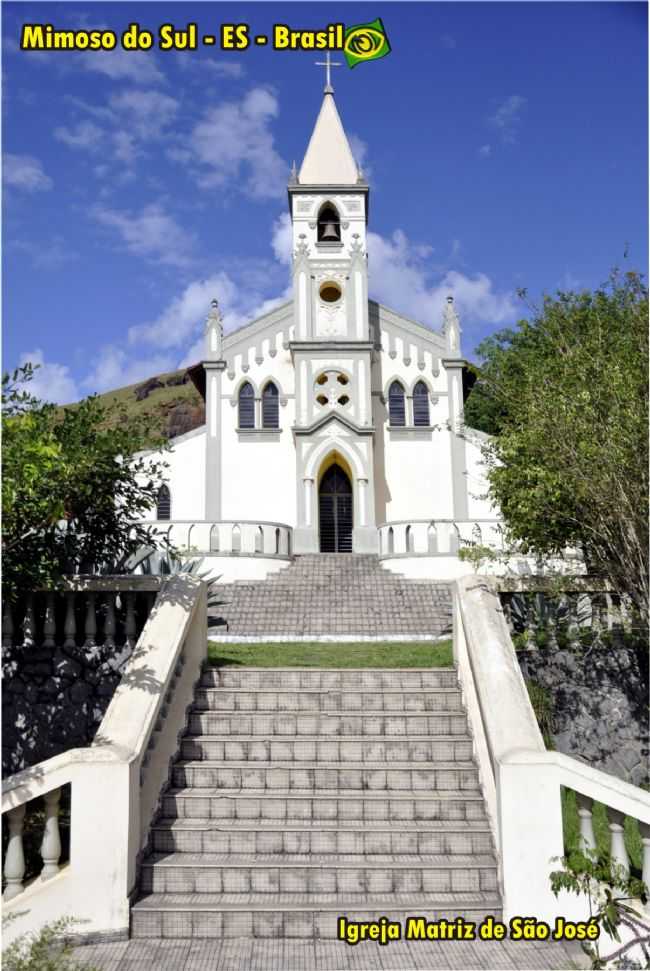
x,y
330,292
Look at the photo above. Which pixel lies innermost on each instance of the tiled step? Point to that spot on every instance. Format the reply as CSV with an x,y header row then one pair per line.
x,y
292,748
324,805
330,724
212,915
268,836
361,776
316,873
344,594
252,679
306,699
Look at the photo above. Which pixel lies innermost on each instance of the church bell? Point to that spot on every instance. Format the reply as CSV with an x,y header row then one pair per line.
x,y
330,232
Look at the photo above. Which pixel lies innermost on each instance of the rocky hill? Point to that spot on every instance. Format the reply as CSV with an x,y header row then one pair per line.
x,y
170,400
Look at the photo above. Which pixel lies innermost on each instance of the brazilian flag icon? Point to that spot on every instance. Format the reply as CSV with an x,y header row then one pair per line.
x,y
365,42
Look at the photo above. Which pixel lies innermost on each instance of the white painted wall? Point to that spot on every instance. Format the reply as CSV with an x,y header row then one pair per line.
x,y
185,475
259,476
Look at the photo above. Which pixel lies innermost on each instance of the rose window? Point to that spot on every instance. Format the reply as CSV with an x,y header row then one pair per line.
x,y
332,389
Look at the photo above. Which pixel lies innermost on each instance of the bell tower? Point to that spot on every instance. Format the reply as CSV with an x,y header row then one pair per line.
x,y
328,200
332,349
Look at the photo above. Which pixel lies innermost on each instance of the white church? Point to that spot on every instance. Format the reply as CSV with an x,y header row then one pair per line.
x,y
333,423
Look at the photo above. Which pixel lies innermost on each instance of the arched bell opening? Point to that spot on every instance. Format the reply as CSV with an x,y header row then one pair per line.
x,y
335,507
328,225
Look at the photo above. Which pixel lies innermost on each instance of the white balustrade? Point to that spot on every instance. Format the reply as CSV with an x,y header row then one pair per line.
x,y
225,538
585,815
522,781
14,868
434,537
51,845
114,783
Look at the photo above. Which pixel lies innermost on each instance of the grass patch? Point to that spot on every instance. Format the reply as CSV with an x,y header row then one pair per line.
x,y
571,822
311,654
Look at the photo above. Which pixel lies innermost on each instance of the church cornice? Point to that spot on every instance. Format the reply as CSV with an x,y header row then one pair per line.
x,y
300,430
329,346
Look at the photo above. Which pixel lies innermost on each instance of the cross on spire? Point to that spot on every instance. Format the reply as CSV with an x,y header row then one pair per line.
x,y
327,64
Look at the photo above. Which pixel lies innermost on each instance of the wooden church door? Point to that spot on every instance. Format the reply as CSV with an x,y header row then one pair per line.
x,y
335,511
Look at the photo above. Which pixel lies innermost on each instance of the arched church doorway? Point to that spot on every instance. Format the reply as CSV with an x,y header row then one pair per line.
x,y
335,511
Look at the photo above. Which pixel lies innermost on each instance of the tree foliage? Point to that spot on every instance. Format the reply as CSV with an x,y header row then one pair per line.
x,y
70,500
565,395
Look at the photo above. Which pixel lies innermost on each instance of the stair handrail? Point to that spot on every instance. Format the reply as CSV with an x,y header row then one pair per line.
x,y
521,779
115,782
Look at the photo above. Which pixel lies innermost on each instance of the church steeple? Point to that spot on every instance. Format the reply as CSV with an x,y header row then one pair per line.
x,y
328,159
329,208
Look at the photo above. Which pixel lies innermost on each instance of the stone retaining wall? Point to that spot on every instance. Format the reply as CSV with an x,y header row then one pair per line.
x,y
600,705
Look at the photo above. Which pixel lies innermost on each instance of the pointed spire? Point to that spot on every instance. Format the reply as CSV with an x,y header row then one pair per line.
x,y
328,159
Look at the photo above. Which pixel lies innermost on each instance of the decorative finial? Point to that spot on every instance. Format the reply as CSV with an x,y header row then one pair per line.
x,y
214,332
294,173
327,64
451,327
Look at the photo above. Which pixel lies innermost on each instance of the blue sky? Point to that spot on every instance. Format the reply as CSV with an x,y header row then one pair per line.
x,y
505,145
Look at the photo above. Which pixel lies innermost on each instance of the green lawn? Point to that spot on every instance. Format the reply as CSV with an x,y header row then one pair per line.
x,y
311,654
601,830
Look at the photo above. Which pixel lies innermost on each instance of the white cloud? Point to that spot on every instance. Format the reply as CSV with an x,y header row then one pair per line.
x,y
507,116
86,135
282,238
144,113
151,233
448,41
116,368
359,149
25,172
400,277
47,254
51,381
485,151
137,66
233,142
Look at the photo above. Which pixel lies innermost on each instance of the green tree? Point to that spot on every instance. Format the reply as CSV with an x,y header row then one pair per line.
x,y
565,395
71,495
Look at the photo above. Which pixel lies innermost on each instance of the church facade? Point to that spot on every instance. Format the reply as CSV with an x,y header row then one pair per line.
x,y
333,423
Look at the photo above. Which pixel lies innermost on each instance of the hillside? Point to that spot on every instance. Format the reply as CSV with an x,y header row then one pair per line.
x,y
170,400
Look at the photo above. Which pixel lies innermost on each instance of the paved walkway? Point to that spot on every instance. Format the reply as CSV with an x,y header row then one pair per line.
x,y
286,955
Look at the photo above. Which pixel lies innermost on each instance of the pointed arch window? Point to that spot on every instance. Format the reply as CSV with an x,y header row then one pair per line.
x,y
420,404
270,410
329,225
164,503
246,406
396,406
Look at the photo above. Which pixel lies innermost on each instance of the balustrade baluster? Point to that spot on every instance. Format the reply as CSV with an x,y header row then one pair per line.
x,y
587,836
14,869
531,627
51,844
644,829
109,623
49,623
90,629
130,623
7,625
29,623
70,624
573,631
551,623
596,620
617,622
618,851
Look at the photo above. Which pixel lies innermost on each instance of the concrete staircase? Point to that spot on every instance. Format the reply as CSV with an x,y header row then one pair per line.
x,y
305,794
333,593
